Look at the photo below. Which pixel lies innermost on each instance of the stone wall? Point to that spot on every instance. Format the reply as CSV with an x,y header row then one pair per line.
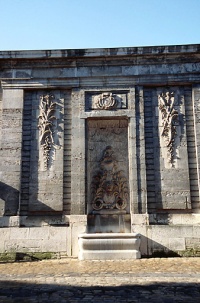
x,y
60,111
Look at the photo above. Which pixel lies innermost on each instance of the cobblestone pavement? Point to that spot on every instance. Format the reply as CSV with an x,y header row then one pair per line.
x,y
69,280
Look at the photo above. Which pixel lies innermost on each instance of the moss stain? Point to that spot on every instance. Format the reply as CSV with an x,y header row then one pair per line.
x,y
28,256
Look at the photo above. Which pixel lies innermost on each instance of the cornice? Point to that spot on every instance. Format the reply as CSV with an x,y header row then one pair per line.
x,y
100,52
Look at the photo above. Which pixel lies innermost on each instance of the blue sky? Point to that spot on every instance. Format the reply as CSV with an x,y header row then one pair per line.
x,y
68,24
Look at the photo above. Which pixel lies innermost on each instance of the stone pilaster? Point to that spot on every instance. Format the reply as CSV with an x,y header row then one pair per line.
x,y
141,163
196,108
78,155
10,150
133,182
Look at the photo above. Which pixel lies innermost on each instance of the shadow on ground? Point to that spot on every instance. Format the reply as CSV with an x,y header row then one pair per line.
x,y
15,292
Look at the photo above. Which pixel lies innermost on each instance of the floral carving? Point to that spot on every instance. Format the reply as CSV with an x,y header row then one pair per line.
x,y
45,125
106,101
169,116
109,187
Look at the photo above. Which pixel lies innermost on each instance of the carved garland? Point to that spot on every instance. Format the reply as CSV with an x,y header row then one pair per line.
x,y
109,187
169,116
45,125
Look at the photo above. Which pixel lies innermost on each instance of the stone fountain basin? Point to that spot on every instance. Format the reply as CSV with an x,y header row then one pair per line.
x,y
109,246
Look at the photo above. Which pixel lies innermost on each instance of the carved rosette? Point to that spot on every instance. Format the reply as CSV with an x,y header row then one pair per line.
x,y
169,116
106,101
109,186
45,124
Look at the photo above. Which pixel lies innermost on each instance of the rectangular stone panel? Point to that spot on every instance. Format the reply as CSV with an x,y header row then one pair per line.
x,y
105,100
46,153
166,147
10,150
107,165
172,171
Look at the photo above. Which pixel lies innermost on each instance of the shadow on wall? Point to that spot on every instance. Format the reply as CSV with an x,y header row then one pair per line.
x,y
9,200
163,292
151,248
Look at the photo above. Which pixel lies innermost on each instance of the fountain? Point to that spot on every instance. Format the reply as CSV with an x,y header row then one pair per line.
x,y
108,235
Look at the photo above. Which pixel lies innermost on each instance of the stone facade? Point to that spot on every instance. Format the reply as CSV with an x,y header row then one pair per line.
x,y
100,140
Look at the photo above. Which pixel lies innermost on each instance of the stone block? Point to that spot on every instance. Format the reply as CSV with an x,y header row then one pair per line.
x,y
6,74
84,71
185,231
4,234
185,219
14,221
4,221
196,231
193,243
161,233
102,70
176,244
13,98
54,246
175,219
57,233
21,245
131,70
45,72
41,233
139,219
77,219
68,72
78,226
2,207
23,73
142,231
159,219
19,233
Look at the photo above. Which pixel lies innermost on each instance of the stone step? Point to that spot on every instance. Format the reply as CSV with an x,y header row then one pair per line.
x,y
109,246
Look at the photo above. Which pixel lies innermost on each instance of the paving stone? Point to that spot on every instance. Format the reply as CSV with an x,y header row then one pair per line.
x,y
173,280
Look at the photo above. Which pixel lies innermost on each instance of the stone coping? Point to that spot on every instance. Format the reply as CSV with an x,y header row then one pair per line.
x,y
109,235
99,52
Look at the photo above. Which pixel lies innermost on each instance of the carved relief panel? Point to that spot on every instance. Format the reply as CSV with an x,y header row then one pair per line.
x,y
107,166
171,122
46,152
106,100
109,186
47,127
172,172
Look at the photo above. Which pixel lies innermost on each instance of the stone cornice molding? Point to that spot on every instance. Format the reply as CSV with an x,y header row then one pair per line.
x,y
108,81
99,52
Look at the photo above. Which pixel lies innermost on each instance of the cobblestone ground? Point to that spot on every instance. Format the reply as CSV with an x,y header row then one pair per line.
x,y
69,280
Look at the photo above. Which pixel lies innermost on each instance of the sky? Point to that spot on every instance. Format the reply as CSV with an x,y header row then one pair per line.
x,y
77,24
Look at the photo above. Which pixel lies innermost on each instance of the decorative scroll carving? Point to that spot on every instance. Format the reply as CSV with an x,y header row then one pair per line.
x,y
109,187
106,101
169,117
114,100
45,125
